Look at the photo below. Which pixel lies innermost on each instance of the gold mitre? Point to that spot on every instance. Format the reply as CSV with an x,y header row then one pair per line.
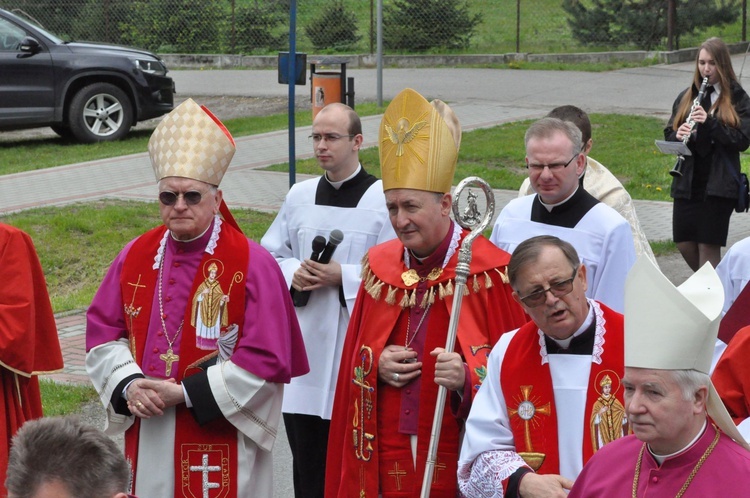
x,y
190,142
419,144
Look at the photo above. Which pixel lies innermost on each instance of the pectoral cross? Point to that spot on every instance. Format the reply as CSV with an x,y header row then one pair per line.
x,y
169,357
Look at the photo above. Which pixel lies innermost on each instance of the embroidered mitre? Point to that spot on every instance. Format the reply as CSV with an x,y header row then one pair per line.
x,y
190,142
419,144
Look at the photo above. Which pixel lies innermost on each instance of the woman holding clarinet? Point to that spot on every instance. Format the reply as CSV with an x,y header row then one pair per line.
x,y
714,122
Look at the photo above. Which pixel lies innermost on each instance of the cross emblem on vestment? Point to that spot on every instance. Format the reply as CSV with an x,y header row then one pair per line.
x,y
528,411
438,467
130,309
205,468
397,473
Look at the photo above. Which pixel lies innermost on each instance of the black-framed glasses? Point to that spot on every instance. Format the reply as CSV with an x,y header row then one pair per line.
x,y
553,166
191,197
558,289
328,137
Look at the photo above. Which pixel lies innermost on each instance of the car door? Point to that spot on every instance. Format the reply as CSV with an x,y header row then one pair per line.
x,y
27,92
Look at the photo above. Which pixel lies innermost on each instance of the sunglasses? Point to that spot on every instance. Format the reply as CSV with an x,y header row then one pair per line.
x,y
191,197
558,289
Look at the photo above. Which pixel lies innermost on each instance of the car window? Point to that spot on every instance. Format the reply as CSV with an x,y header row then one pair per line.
x,y
10,36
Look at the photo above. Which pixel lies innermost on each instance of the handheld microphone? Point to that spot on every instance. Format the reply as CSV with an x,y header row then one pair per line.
x,y
333,241
321,253
318,244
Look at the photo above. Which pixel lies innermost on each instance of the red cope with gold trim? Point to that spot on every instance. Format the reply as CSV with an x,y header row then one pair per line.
x,y
527,387
355,466
217,440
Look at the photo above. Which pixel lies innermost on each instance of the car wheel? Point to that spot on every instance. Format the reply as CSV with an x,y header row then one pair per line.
x,y
100,112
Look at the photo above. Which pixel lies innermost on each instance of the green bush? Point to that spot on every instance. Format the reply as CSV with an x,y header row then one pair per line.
x,y
421,25
334,29
260,27
188,26
642,23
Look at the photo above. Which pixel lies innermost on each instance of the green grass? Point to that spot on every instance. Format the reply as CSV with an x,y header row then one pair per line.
x,y
77,243
64,399
40,153
543,28
663,247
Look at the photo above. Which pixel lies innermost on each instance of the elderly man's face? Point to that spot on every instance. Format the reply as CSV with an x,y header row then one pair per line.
x,y
420,219
554,183
187,221
657,410
558,317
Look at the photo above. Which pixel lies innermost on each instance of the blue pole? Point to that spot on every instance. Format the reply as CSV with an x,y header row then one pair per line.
x,y
292,79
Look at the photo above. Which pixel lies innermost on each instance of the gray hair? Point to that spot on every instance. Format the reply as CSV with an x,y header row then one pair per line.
x,y
65,450
690,381
529,250
546,127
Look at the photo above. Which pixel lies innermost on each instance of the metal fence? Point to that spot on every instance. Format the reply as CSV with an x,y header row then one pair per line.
x,y
349,26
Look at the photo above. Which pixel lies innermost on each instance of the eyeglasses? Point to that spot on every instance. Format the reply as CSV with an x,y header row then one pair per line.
x,y
328,137
191,197
552,167
558,289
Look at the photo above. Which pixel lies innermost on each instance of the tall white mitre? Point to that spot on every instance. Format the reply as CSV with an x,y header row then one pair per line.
x,y
675,328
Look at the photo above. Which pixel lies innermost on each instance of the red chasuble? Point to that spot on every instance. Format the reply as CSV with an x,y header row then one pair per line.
x,y
218,439
28,336
731,376
527,387
366,412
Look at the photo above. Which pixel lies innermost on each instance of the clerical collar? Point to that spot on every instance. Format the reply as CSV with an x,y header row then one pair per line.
x,y
183,241
337,185
581,342
206,241
452,238
549,207
661,458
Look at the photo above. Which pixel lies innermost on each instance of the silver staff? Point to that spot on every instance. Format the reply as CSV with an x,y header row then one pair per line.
x,y
470,219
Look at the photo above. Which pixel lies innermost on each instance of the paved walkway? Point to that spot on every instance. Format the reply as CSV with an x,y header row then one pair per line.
x,y
480,98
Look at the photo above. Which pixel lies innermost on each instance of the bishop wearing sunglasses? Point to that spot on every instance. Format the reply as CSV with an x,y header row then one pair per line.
x,y
193,329
550,397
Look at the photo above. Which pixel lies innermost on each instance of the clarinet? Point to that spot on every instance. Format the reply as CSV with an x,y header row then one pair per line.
x,y
696,104
677,169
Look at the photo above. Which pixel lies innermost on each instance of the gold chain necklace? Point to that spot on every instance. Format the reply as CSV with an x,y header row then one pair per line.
x,y
692,473
408,342
169,357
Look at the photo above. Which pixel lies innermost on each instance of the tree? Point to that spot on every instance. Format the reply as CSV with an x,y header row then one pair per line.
x,y
421,25
258,27
642,22
335,28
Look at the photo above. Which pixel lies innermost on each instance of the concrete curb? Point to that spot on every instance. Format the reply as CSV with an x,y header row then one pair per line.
x,y
229,61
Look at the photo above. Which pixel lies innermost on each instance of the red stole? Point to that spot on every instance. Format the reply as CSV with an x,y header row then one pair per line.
x,y
355,464
530,399
210,450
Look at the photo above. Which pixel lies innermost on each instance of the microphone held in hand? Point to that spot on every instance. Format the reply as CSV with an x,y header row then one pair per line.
x,y
333,241
321,253
318,245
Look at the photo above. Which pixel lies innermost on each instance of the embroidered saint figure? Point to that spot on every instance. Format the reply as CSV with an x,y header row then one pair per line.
x,y
608,417
209,309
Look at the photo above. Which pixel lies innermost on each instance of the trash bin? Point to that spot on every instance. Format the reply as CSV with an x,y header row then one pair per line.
x,y
329,86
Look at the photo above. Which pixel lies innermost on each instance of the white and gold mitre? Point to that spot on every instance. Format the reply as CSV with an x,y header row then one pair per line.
x,y
419,144
190,142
